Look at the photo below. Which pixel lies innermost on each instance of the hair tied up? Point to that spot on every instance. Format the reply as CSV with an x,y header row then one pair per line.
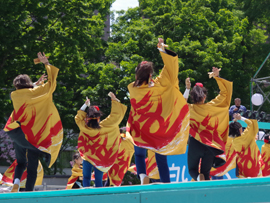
x,y
97,108
199,84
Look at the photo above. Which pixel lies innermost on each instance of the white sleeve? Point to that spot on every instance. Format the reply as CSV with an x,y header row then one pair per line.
x,y
162,50
84,106
186,93
243,118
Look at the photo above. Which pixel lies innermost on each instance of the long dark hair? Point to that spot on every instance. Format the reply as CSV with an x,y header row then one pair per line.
x,y
22,81
198,93
234,129
143,72
93,114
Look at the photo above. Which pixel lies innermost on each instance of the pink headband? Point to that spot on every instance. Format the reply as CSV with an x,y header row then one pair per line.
x,y
199,84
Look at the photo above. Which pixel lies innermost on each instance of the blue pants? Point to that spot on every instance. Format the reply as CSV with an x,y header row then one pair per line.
x,y
161,160
217,177
87,171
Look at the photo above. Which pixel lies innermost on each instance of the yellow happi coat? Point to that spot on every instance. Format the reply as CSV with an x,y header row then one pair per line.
x,y
265,152
122,163
151,166
8,176
209,122
39,118
100,146
76,173
248,154
230,160
159,115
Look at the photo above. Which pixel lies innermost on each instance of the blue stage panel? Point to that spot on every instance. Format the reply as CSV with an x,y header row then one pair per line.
x,y
232,191
112,198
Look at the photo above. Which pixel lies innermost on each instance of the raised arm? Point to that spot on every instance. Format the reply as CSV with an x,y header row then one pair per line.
x,y
118,111
81,114
225,94
52,72
248,135
188,85
169,73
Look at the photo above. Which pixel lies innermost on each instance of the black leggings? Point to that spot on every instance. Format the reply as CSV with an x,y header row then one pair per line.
x,y
197,151
27,156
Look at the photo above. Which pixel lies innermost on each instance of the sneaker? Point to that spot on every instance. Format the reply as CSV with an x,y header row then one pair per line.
x,y
201,177
15,188
146,180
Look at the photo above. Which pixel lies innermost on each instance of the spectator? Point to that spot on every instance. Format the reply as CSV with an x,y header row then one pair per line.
x,y
237,107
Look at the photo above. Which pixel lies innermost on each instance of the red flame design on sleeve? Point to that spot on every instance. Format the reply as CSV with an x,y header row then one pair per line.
x,y
9,174
150,168
265,162
92,148
243,163
73,180
208,134
35,139
224,167
163,135
119,169
8,122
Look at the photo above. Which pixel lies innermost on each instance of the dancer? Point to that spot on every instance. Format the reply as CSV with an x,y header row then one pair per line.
x,y
159,115
122,163
265,151
230,164
151,167
98,142
8,176
208,127
248,154
34,125
75,180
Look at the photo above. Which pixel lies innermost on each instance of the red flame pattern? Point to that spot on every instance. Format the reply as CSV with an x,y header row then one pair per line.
x,y
97,151
265,162
36,139
163,136
208,134
246,160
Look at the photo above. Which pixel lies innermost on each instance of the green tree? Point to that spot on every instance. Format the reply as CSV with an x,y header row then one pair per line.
x,y
204,34
70,32
258,14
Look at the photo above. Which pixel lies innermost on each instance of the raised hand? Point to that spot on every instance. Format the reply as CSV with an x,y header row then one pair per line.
x,y
42,58
41,79
188,84
161,44
236,116
215,72
113,97
87,101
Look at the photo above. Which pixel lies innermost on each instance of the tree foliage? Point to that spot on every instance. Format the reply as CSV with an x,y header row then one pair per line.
x,y
70,32
204,34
